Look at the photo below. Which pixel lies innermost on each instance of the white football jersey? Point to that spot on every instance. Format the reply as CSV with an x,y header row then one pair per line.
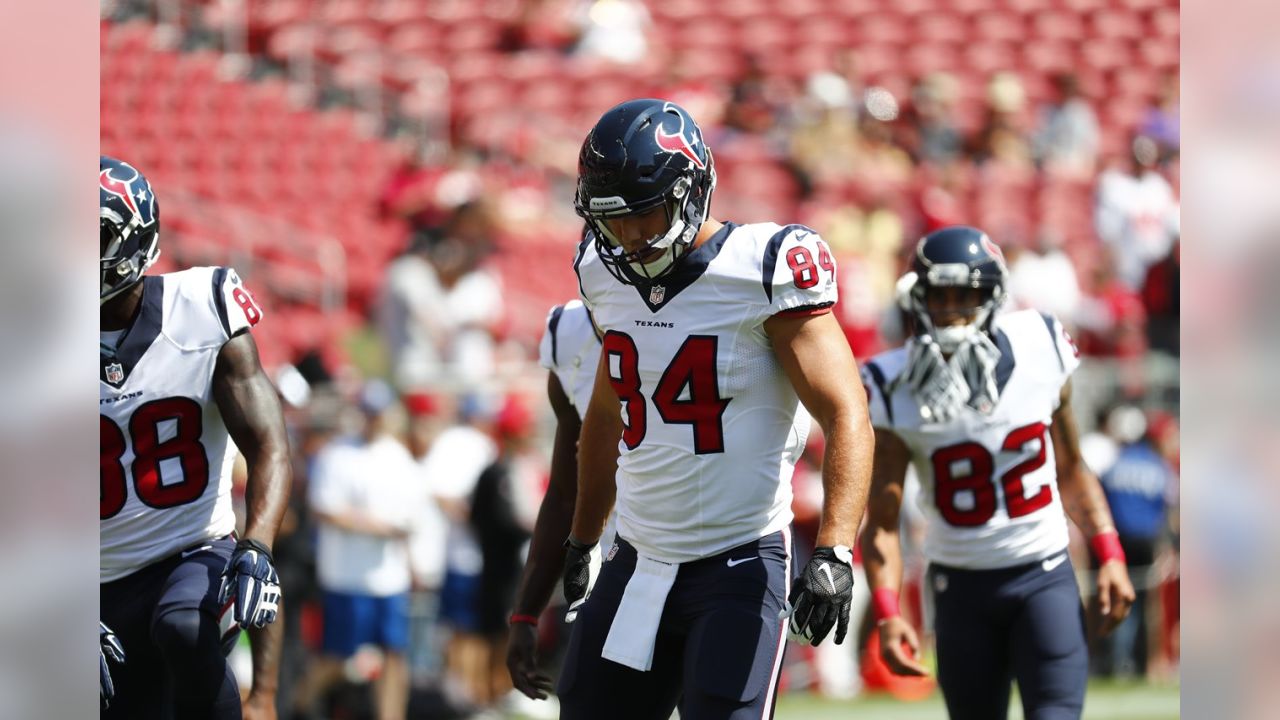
x,y
713,426
166,456
571,350
988,482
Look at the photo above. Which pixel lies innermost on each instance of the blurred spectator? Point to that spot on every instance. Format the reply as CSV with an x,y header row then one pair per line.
x,y
1068,139
1139,487
1111,319
413,317
824,144
613,30
427,540
500,517
361,494
1136,213
1002,138
541,25
441,308
1162,121
1161,297
453,465
932,136
758,100
1044,278
882,166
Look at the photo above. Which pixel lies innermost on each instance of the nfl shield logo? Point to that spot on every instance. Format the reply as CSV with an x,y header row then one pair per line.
x,y
656,293
115,373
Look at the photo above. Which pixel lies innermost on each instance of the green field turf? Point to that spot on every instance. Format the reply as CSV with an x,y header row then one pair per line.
x,y
1105,701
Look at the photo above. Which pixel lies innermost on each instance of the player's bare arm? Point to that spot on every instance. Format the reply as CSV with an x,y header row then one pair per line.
x,y
597,466
816,358
546,549
1086,505
813,352
266,643
597,459
882,554
250,408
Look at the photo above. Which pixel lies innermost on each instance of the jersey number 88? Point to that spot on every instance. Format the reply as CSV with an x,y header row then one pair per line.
x,y
149,450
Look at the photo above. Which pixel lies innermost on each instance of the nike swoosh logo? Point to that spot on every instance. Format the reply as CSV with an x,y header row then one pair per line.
x,y
827,569
189,553
1053,562
734,563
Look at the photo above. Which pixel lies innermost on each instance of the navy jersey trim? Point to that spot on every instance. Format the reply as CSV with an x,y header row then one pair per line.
x,y
141,334
577,263
687,270
1004,367
220,300
1053,339
771,249
819,309
552,324
877,376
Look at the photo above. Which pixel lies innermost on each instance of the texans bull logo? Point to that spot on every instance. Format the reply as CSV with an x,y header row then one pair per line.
x,y
676,142
134,192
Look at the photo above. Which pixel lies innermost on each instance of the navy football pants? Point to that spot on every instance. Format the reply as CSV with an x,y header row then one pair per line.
x,y
166,616
994,626
719,646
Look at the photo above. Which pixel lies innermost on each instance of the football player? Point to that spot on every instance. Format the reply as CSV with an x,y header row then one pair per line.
x,y
980,403
570,349
181,389
715,335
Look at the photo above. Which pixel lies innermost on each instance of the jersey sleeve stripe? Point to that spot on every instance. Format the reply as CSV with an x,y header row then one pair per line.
x,y
877,375
220,299
807,310
1053,339
552,323
770,260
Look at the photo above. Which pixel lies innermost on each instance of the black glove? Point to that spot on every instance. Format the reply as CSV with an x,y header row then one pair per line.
x,y
577,575
251,579
109,649
822,595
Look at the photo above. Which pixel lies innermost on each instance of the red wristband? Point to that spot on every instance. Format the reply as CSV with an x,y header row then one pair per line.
x,y
885,603
1106,547
526,619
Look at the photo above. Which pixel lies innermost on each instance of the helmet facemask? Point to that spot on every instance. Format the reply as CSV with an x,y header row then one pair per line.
x,y
658,254
915,292
126,251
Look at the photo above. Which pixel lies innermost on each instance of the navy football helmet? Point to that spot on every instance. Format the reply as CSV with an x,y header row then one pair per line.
x,y
130,226
954,257
641,155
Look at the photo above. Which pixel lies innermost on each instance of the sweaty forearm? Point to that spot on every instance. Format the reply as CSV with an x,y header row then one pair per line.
x,y
882,557
1085,502
597,466
266,495
846,478
265,643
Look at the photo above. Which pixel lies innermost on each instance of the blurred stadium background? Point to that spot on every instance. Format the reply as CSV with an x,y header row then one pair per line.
x,y
335,150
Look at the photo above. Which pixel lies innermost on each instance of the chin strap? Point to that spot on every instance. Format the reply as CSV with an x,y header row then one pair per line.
x,y
941,386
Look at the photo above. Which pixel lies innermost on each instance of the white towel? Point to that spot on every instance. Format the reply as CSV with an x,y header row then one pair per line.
x,y
635,626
